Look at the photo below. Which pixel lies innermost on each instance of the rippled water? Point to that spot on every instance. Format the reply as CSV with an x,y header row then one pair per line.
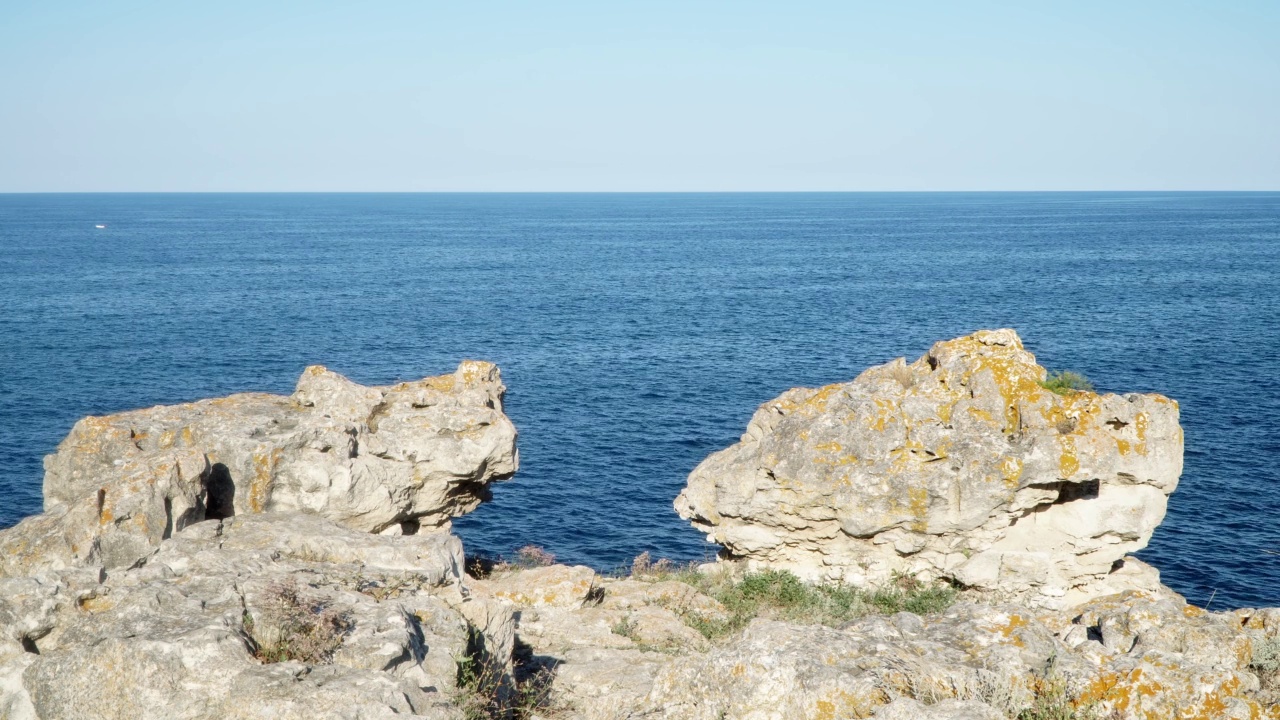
x,y
638,333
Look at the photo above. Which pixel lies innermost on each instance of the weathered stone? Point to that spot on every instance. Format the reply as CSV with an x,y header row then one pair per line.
x,y
959,465
909,709
175,636
550,586
377,459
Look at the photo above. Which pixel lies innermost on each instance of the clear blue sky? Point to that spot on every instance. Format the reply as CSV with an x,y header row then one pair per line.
x,y
119,95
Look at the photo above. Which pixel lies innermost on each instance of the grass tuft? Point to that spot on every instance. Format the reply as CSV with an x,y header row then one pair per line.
x,y
1066,382
292,625
780,594
486,691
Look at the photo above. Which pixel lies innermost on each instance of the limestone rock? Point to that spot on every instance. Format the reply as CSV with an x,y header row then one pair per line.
x,y
175,636
550,586
602,639
908,709
959,465
376,459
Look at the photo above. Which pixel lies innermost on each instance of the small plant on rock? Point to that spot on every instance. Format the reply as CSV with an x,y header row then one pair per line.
x,y
292,625
1066,382
486,691
645,566
1051,701
626,627
1266,661
531,556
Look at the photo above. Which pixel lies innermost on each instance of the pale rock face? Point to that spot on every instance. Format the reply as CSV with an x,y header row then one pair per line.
x,y
959,465
908,709
604,639
169,638
376,459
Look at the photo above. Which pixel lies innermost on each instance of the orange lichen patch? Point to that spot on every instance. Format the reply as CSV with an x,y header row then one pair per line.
x,y
842,704
738,670
1068,461
944,412
811,402
1140,422
829,447
918,505
1008,630
264,466
981,414
886,411
1192,611
475,372
1244,652
444,383
1011,471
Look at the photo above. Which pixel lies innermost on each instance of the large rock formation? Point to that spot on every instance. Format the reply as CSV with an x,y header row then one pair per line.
x,y
288,558
259,556
375,459
959,465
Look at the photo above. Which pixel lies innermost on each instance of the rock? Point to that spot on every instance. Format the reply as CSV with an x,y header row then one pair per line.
x,y
176,636
602,640
550,586
908,709
376,459
958,466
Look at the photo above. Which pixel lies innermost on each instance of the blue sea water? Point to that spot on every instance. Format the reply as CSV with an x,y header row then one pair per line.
x,y
638,333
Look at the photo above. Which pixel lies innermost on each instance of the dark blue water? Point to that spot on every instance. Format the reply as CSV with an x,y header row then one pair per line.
x,y
638,333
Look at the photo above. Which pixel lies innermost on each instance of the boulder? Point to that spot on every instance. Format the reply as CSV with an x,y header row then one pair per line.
x,y
960,465
376,459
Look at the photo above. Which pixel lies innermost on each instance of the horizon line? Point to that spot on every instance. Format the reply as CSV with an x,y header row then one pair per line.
x,y
619,192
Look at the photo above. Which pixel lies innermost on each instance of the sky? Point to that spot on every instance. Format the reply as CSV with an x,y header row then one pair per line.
x,y
124,95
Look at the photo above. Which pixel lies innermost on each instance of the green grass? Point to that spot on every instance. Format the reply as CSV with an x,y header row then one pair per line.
x,y
1066,382
781,595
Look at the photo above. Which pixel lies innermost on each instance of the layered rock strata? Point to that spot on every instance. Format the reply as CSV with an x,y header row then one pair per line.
x,y
960,465
374,459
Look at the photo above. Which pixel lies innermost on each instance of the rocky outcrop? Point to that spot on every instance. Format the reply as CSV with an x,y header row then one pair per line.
x,y
271,557
375,459
618,650
188,632
960,465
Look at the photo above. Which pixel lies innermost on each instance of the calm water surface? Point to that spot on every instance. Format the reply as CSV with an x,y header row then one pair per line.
x,y
638,333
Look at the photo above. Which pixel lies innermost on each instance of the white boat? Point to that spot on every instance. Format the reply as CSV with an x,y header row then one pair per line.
x,y
100,227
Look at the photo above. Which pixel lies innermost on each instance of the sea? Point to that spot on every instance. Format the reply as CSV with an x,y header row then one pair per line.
x,y
637,333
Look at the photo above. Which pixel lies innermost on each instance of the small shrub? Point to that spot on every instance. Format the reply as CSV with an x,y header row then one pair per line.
x,y
487,692
527,557
293,626
1066,382
1266,661
534,556
626,627
1051,701
645,566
